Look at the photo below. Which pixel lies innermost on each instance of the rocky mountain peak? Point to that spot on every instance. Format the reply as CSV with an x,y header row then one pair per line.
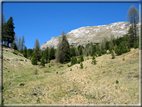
x,y
95,34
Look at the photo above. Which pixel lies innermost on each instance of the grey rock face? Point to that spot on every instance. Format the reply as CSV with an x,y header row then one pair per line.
x,y
95,34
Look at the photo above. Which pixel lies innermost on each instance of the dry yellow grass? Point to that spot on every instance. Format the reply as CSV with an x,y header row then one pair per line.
x,y
94,84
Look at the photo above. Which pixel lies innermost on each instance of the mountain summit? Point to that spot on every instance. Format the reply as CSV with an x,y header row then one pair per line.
x,y
95,34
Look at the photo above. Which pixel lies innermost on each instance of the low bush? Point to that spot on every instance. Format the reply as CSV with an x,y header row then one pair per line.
x,y
81,65
73,61
113,54
94,62
15,53
99,53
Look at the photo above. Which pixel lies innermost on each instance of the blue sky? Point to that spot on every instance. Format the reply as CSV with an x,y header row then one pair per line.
x,y
47,20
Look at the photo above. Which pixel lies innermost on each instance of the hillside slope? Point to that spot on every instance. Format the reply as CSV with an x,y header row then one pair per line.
x,y
110,81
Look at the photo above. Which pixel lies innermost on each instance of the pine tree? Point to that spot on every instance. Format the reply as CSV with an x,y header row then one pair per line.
x,y
133,18
42,61
52,53
14,43
37,49
136,45
73,61
29,53
19,43
25,52
107,45
81,59
80,48
72,52
14,46
63,51
34,58
22,44
8,31
46,55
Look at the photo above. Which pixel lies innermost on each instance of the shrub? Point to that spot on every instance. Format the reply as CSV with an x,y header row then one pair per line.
x,y
81,65
69,65
99,53
103,51
117,81
78,61
36,72
123,59
113,54
70,69
15,53
81,58
94,62
73,61
93,58
121,49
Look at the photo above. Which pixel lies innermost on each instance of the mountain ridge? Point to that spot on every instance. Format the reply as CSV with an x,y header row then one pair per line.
x,y
88,34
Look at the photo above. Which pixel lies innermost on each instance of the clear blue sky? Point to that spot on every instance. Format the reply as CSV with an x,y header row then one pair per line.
x,y
47,20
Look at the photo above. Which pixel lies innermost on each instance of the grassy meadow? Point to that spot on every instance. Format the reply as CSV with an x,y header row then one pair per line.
x,y
110,81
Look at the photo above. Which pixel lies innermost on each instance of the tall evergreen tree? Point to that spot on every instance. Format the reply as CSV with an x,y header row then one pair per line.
x,y
46,55
19,43
14,43
37,49
52,53
42,61
22,44
29,53
80,48
25,52
34,58
72,52
93,50
133,18
8,31
63,51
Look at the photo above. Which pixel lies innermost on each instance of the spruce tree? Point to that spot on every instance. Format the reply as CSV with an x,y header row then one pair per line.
x,y
81,58
29,53
8,31
37,49
73,61
19,43
52,53
25,52
46,55
34,58
72,52
133,18
22,44
63,51
136,45
42,61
